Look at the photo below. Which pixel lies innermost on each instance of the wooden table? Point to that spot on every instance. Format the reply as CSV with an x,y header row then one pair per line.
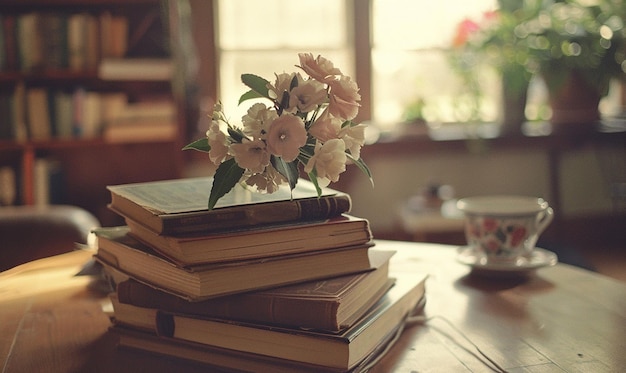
x,y
559,319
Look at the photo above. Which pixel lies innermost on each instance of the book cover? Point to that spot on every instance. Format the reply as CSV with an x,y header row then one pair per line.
x,y
11,42
159,69
342,350
38,114
119,250
239,244
180,206
329,304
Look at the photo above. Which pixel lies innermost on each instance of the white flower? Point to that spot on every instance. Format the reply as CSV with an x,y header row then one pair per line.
x,y
354,138
268,181
286,136
329,160
317,108
344,97
281,85
217,142
256,122
326,127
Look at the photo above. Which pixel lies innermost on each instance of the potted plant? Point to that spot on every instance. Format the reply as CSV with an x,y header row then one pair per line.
x,y
576,47
491,41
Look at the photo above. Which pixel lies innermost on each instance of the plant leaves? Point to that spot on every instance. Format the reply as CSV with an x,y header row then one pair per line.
x,y
256,84
361,164
249,96
288,169
201,145
236,134
313,178
226,177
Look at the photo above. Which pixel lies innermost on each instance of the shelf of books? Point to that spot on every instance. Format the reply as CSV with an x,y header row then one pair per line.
x,y
260,283
81,74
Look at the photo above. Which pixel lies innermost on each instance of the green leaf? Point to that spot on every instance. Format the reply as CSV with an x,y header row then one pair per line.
x,y
313,178
294,82
288,169
226,177
236,134
256,84
201,145
249,96
361,164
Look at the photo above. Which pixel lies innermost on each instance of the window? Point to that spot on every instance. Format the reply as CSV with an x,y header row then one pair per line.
x,y
409,60
408,42
264,37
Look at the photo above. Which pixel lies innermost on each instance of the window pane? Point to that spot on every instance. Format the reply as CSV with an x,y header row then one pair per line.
x,y
410,24
271,24
265,37
409,61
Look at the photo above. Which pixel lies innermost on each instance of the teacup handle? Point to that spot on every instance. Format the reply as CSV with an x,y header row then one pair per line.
x,y
545,219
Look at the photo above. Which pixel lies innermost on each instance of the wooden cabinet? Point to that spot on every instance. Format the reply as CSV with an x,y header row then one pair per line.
x,y
87,99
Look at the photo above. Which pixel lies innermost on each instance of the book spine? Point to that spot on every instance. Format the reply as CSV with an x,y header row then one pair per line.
x,y
296,210
288,312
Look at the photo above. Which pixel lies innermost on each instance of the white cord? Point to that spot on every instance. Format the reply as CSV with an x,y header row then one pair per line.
x,y
421,319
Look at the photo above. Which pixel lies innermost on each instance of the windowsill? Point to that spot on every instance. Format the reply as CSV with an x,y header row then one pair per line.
x,y
420,138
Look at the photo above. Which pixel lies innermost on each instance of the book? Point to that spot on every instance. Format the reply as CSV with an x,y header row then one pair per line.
x,y
239,244
37,112
134,340
329,304
117,249
180,205
342,350
136,69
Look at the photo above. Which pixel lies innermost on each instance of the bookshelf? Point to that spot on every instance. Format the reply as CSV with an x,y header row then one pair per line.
x,y
87,99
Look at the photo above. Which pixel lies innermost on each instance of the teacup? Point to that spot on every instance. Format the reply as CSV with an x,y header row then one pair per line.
x,y
503,229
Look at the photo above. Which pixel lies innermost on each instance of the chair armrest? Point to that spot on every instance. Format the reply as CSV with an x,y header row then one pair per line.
x,y
32,232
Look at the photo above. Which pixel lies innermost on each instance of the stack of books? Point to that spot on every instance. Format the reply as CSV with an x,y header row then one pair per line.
x,y
287,281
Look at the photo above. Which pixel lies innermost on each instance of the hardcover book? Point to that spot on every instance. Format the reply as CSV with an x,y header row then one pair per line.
x,y
118,250
237,361
329,304
180,206
342,350
239,244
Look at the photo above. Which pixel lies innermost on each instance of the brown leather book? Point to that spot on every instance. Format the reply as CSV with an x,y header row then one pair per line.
x,y
329,304
343,350
117,250
247,243
181,206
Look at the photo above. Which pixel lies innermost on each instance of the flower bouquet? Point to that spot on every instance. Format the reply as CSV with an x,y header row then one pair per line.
x,y
308,124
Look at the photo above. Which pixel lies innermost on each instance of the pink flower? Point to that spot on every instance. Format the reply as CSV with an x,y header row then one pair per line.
x,y
329,160
325,127
318,68
286,136
463,31
308,95
344,97
251,155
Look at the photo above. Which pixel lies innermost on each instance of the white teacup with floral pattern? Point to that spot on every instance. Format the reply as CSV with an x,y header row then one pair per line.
x,y
504,229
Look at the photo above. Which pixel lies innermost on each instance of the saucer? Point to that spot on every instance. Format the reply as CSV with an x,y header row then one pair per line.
x,y
538,258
